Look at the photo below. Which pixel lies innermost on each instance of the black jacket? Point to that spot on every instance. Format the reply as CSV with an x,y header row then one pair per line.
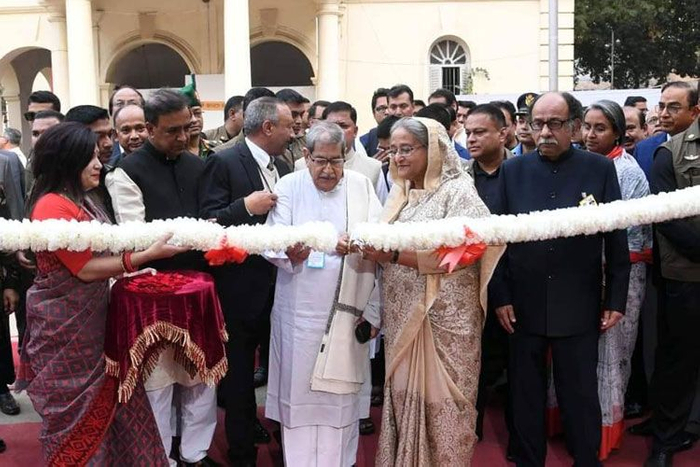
x,y
245,290
556,286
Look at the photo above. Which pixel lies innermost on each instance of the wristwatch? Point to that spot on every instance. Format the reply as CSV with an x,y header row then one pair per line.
x,y
395,257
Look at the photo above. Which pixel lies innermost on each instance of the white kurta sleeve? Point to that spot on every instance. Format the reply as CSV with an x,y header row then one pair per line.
x,y
127,199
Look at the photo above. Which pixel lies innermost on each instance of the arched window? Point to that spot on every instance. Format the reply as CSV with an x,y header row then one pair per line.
x,y
449,65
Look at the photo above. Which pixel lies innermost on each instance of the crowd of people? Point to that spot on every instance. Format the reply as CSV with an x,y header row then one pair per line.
x,y
575,332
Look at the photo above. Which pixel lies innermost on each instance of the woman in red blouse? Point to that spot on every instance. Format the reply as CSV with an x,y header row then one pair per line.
x,y
62,363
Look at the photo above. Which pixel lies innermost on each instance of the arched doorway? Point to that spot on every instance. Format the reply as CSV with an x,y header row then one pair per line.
x,y
19,74
149,66
277,63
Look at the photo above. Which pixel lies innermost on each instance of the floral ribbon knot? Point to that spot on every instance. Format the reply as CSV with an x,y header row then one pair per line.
x,y
462,255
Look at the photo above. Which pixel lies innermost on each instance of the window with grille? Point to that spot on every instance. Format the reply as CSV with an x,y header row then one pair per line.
x,y
448,66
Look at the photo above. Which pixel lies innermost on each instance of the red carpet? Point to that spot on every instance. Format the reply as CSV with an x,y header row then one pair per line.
x,y
24,450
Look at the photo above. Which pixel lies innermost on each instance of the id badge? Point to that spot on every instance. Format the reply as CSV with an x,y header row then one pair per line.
x,y
587,200
316,260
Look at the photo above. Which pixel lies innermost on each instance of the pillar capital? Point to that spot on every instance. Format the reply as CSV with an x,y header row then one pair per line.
x,y
328,7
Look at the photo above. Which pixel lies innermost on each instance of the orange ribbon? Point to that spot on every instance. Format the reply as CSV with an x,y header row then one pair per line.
x,y
462,255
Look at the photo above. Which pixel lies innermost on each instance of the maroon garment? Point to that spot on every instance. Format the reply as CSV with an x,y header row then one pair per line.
x,y
62,367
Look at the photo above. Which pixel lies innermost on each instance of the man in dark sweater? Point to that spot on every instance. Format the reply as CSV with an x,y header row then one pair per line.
x,y
549,294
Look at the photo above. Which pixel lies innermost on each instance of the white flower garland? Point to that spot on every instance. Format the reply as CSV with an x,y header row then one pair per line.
x,y
54,234
540,225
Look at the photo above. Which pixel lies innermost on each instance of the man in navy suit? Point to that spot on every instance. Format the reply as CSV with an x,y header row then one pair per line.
x,y
676,114
237,188
549,294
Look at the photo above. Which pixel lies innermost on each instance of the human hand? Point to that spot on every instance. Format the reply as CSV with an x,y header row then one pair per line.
x,y
343,245
378,256
10,299
162,249
260,202
24,261
373,332
609,318
382,155
506,316
298,253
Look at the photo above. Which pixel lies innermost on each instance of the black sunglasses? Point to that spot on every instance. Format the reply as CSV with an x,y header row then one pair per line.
x,y
29,116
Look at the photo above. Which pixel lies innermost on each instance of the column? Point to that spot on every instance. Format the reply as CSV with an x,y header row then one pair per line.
x,y
14,111
82,72
328,82
59,62
236,48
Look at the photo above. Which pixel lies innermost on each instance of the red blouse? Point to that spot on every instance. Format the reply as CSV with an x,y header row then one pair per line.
x,y
53,206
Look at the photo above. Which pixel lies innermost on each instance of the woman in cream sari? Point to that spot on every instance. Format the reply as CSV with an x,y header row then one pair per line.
x,y
432,320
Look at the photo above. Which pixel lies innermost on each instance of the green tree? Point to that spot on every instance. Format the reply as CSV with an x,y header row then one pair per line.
x,y
652,39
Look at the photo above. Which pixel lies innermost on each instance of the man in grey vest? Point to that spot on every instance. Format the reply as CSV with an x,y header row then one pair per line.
x,y
677,255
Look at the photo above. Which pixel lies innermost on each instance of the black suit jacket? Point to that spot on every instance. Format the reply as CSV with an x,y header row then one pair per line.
x,y
245,290
556,286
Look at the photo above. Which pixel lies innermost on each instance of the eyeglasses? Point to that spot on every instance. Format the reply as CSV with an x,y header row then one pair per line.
x,y
672,109
322,162
29,116
653,120
381,108
403,151
553,124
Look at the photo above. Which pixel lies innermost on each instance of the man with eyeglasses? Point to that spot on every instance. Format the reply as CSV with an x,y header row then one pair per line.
x,y
380,110
549,294
400,101
677,109
122,96
319,412
674,384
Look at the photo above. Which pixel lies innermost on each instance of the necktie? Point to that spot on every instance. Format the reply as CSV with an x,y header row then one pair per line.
x,y
271,165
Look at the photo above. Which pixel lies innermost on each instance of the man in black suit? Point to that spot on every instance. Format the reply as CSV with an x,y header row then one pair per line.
x,y
550,293
237,188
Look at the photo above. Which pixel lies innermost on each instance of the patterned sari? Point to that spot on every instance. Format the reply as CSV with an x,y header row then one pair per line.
x,y
432,325
63,371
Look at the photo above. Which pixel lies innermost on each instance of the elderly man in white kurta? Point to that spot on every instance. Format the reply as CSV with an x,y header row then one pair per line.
x,y
318,369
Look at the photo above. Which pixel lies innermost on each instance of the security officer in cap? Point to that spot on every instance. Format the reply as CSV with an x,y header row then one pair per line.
x,y
198,144
522,124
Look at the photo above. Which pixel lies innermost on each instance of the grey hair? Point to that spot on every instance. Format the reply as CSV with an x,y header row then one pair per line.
x,y
325,132
260,110
13,136
614,114
414,127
